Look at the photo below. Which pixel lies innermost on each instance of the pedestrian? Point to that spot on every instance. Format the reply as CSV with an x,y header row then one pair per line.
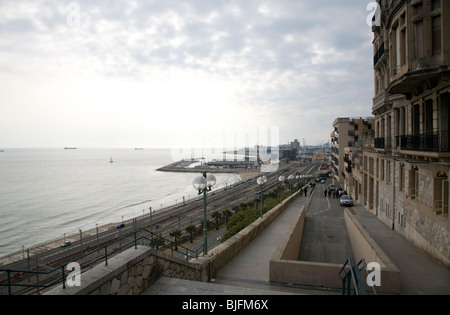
x,y
334,193
306,192
329,193
326,193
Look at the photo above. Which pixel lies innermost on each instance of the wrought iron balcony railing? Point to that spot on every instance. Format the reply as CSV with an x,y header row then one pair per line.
x,y
431,141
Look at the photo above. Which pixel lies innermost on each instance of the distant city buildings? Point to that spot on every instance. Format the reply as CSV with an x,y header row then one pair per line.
x,y
400,170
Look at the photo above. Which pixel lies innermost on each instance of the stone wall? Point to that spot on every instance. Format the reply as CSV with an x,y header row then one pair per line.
x,y
131,273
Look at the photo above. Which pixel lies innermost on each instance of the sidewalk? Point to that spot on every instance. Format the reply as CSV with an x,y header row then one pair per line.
x,y
420,273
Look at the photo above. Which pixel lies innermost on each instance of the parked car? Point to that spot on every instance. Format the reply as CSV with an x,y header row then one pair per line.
x,y
121,225
340,192
65,244
346,200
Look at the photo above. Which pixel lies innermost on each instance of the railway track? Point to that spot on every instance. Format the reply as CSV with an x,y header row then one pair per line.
x,y
162,222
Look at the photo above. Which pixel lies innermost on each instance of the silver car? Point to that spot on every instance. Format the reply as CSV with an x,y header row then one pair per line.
x,y
346,200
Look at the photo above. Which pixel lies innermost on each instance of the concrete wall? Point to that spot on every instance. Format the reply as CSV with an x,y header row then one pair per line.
x,y
225,252
363,246
132,272
285,267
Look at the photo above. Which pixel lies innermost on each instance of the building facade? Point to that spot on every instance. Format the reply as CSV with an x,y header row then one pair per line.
x,y
408,167
347,133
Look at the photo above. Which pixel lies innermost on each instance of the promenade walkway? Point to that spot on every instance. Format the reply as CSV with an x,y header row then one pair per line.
x,y
248,272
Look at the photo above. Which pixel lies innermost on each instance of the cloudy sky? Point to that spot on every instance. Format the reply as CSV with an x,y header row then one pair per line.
x,y
104,73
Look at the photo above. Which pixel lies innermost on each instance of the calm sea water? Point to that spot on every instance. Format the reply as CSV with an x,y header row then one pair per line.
x,y
46,193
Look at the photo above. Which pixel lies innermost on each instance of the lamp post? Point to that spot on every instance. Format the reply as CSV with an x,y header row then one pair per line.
x,y
261,181
290,178
281,179
203,184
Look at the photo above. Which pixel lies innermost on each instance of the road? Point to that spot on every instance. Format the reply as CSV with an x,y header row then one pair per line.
x,y
324,237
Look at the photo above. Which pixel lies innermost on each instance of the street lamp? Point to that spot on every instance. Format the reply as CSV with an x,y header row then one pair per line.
x,y
290,178
261,181
203,184
281,179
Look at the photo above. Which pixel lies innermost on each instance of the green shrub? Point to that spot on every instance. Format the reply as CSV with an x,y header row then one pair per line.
x,y
242,219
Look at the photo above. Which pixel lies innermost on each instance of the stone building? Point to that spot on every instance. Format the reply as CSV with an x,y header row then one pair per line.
x,y
409,166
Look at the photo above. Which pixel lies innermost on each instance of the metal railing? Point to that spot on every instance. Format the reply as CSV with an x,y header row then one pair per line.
x,y
431,141
352,279
35,280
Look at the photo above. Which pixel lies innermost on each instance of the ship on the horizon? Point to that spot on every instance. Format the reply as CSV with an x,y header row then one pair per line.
x,y
70,148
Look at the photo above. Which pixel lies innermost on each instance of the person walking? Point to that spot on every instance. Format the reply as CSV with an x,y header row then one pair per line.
x,y
325,193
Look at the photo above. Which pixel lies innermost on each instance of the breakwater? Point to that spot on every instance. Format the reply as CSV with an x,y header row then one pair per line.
x,y
195,166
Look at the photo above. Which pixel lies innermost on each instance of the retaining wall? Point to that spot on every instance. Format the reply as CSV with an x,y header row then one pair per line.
x,y
225,252
285,268
132,272
364,246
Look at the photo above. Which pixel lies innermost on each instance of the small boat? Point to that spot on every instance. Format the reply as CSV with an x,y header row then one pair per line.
x,y
70,148
111,160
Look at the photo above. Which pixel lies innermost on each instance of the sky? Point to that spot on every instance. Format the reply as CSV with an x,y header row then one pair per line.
x,y
155,73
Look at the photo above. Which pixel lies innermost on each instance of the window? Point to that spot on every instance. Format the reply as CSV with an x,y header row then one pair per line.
x,y
435,4
419,39
436,35
418,28
402,177
428,117
416,120
388,172
441,195
397,50
403,46
413,187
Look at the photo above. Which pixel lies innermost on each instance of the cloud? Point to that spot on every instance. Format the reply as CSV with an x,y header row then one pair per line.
x,y
286,63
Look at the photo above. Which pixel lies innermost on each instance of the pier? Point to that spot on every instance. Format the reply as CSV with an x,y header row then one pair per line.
x,y
197,166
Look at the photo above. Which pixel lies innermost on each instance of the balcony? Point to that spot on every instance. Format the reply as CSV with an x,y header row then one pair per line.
x,y
378,55
430,142
379,143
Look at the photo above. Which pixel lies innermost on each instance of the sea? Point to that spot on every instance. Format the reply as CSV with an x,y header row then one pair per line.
x,y
48,193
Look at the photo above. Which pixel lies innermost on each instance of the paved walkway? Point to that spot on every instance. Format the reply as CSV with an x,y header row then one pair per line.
x,y
420,273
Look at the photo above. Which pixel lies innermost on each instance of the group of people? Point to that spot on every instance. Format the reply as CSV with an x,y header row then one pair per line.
x,y
305,190
330,192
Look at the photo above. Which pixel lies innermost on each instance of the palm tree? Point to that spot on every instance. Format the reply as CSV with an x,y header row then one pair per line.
x,y
176,234
217,216
156,242
191,229
226,214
